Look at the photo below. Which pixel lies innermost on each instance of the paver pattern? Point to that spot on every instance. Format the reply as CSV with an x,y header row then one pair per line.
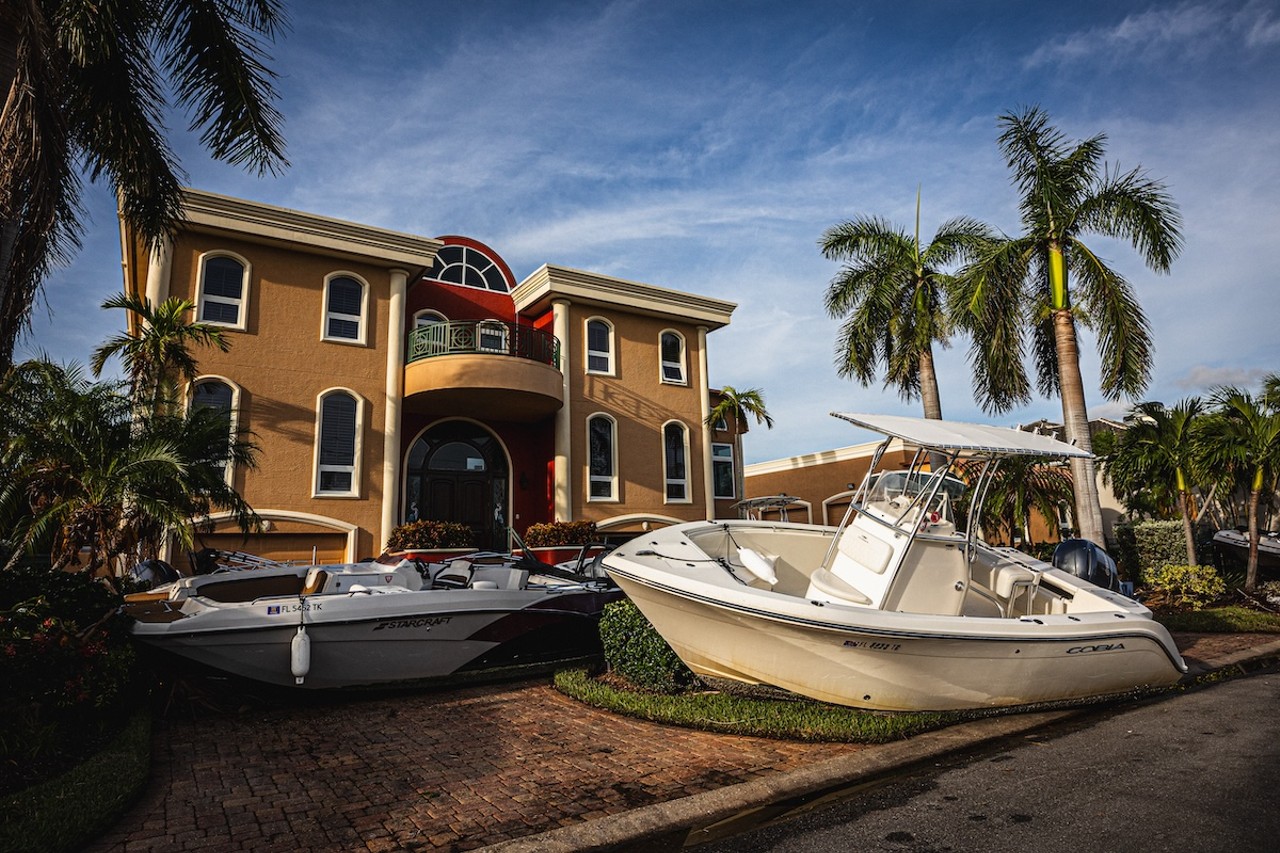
x,y
441,770
449,770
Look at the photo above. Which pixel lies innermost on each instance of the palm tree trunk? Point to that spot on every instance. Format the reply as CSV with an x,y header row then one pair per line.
x,y
1251,569
1075,419
1188,531
929,396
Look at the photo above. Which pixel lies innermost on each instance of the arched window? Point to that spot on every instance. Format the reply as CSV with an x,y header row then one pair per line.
x,y
468,267
672,346
603,459
344,309
428,318
220,397
223,291
599,346
675,446
338,443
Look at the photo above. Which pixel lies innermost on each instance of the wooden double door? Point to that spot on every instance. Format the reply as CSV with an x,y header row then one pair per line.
x,y
458,472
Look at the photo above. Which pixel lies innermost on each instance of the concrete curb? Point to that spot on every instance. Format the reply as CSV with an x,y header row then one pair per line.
x,y
684,814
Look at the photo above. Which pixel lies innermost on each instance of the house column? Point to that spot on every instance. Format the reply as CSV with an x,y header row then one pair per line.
x,y
704,408
562,498
159,266
394,397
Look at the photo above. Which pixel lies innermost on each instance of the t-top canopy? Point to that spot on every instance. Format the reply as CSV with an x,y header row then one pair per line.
x,y
953,435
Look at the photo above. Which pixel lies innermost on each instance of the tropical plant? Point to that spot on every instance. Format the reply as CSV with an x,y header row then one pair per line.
x,y
737,406
892,293
1190,586
84,85
156,348
1160,454
82,474
1045,283
554,534
1242,437
427,534
1020,486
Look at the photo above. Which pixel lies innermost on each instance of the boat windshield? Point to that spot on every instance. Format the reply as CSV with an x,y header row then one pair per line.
x,y
899,489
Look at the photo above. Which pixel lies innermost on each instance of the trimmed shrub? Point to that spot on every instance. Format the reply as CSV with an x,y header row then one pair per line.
x,y
637,652
1185,586
430,534
552,534
1147,545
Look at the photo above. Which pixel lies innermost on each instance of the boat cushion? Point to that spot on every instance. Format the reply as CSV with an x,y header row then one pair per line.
x,y
822,581
1008,576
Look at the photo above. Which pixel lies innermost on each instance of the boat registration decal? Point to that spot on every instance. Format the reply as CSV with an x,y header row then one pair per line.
x,y
420,622
873,646
307,607
1100,647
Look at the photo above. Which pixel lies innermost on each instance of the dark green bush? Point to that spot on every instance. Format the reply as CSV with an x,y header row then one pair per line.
x,y
1148,545
68,670
553,534
637,652
430,534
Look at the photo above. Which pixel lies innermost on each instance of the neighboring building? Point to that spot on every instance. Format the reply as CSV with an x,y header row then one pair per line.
x,y
387,377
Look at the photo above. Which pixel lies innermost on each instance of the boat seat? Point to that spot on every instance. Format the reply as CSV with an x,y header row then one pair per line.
x,y
824,585
1010,581
456,575
316,579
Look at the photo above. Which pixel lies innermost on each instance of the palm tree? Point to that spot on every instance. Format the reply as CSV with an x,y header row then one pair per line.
x,y
892,293
1041,284
1243,436
1161,451
84,85
156,350
1019,487
738,406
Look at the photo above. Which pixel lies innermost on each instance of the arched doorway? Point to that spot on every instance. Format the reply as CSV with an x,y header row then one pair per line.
x,y
458,472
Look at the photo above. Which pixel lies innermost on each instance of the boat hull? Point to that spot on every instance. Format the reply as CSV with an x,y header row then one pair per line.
x,y
349,649
901,665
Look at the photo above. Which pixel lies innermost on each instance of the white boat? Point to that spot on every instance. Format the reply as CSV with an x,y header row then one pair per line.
x,y
894,608
376,623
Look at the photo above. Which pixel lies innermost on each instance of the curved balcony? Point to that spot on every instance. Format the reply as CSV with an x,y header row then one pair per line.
x,y
485,369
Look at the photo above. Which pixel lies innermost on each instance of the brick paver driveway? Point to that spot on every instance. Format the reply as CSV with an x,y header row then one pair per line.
x,y
447,770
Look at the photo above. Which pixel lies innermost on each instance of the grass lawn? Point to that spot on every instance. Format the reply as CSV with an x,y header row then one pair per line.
x,y
1228,619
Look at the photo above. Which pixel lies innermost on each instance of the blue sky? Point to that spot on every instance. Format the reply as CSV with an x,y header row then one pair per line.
x,y
705,146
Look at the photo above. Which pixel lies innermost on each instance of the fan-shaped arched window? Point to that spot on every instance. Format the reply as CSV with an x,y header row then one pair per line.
x,y
468,267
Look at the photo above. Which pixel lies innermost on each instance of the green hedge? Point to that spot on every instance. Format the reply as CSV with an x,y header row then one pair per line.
x,y
1147,545
430,534
637,652
67,811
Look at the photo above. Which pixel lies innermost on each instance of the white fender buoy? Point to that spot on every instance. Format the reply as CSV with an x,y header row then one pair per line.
x,y
300,655
759,565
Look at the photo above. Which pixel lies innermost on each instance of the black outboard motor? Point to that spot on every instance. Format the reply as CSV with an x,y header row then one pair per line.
x,y
1086,560
153,573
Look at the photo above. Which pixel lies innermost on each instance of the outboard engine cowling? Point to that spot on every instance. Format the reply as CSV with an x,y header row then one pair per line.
x,y
1088,561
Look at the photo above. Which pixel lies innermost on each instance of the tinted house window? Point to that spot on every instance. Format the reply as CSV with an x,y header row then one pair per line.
x,y
337,443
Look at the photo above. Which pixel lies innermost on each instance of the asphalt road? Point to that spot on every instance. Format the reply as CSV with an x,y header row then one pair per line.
x,y
1195,772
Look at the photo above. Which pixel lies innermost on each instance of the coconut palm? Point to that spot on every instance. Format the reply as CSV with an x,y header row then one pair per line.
x,y
1019,487
1161,451
892,294
1243,437
156,348
1042,285
84,85
738,406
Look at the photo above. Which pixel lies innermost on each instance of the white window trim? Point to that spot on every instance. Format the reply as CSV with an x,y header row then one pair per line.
x,y
242,316
586,345
230,473
684,360
733,478
356,467
418,315
363,334
494,327
667,479
613,450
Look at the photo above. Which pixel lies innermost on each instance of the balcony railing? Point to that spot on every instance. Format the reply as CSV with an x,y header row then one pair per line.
x,y
492,337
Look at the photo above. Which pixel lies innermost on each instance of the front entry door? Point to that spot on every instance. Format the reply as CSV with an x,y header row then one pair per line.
x,y
457,472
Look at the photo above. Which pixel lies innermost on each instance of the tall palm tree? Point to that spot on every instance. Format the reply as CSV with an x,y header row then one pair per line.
x,y
84,85
1243,436
156,350
892,294
1019,487
1044,283
1161,450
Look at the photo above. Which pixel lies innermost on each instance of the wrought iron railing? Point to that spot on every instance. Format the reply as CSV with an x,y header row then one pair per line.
x,y
491,337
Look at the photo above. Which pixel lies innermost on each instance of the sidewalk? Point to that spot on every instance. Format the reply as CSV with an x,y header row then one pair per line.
x,y
514,765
